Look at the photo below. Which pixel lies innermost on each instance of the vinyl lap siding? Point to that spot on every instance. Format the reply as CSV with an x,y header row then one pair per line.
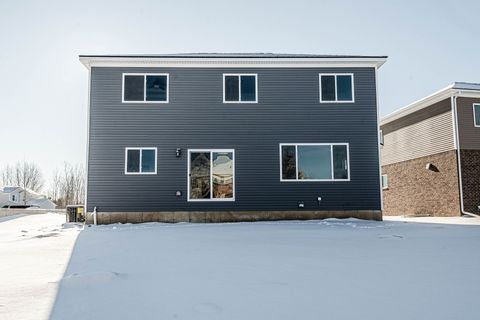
x,y
288,110
424,138
469,135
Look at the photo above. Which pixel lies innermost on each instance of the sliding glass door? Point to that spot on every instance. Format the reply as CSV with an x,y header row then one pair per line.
x,y
211,175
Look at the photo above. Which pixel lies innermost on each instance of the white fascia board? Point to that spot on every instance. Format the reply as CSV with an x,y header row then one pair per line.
x,y
435,97
89,62
418,105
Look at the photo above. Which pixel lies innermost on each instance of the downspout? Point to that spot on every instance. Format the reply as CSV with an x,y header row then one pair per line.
x,y
457,147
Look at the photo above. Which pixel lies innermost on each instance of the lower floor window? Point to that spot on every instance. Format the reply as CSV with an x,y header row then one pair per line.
x,y
140,160
211,174
384,181
314,162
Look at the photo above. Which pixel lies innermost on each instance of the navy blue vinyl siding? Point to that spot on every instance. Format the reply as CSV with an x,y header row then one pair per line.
x,y
288,111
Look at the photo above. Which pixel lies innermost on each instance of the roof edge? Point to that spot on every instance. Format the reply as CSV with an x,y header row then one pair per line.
x,y
228,61
442,94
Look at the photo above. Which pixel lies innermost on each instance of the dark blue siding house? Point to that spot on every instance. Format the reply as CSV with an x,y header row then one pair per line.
x,y
232,137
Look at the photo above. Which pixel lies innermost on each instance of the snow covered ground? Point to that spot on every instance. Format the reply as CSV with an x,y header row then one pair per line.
x,y
34,252
331,269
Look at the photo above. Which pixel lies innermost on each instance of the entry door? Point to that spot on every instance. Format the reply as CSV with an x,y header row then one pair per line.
x,y
211,175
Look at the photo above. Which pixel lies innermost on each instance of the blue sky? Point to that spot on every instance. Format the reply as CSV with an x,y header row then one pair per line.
x,y
44,87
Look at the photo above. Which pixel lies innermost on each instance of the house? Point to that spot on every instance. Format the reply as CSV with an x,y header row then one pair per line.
x,y
18,197
431,154
232,137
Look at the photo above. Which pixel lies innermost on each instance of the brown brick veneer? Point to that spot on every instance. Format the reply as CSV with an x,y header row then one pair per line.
x,y
470,161
414,190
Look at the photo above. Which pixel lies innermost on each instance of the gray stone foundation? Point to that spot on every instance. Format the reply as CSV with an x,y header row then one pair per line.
x,y
227,216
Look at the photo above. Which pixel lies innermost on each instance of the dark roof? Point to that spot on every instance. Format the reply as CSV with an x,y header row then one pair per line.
x,y
230,55
466,86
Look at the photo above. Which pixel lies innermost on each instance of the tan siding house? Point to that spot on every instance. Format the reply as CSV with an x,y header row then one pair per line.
x,y
424,172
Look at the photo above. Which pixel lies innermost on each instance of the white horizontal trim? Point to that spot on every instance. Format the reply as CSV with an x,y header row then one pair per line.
x,y
427,101
211,151
145,87
140,160
331,144
164,62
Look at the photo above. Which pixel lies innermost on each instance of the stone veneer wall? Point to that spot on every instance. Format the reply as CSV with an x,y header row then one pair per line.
x,y
415,190
470,161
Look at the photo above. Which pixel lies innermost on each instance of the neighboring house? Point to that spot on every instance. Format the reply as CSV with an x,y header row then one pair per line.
x,y
232,137
18,197
431,154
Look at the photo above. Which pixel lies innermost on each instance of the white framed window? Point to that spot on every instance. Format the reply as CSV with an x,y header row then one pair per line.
x,y
476,114
140,160
314,162
336,88
211,175
384,181
240,88
145,87
13,198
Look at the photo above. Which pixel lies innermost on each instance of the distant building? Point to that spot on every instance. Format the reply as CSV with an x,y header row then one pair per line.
x,y
18,197
431,154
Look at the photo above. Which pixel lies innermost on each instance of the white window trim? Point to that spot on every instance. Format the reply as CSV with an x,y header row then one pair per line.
x,y
145,87
336,87
211,175
140,149
239,75
16,198
477,125
331,157
384,187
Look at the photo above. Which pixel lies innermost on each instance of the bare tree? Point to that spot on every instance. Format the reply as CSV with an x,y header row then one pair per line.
x,y
54,190
7,176
23,174
68,185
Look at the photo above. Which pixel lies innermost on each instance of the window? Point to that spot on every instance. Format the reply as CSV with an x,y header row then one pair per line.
x,y
145,88
13,198
211,175
476,114
314,162
336,87
380,137
384,181
140,160
240,88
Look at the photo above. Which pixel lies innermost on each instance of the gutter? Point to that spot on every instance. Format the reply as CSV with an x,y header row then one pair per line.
x,y
457,145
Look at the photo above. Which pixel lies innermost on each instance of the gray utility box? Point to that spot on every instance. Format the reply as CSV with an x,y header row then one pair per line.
x,y
75,213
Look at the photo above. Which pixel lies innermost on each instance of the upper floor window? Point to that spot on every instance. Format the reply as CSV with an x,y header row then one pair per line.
x,y
336,87
476,114
314,162
13,198
140,160
145,88
240,88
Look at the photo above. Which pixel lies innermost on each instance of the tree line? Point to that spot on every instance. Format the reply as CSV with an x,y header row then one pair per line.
x,y
67,186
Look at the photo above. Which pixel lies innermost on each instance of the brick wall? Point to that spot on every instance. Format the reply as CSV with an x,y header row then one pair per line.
x,y
414,190
470,160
